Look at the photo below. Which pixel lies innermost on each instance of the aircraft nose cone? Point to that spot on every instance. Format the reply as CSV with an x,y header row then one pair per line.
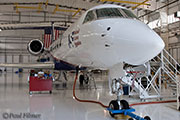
x,y
155,43
147,44
138,42
150,40
150,47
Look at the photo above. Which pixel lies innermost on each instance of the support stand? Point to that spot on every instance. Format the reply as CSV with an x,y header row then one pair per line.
x,y
128,112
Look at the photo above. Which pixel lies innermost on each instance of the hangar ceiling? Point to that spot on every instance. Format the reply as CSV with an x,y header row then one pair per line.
x,y
62,12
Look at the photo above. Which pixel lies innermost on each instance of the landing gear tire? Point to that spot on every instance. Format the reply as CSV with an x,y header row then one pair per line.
x,y
64,85
30,93
130,119
86,81
147,118
124,104
81,79
114,106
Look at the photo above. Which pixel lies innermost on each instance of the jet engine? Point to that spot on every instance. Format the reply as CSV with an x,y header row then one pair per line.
x,y
35,47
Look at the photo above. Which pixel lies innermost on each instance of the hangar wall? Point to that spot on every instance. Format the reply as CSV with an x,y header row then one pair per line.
x,y
13,45
170,33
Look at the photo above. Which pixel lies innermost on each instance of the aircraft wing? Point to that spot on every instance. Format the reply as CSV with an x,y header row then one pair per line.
x,y
48,65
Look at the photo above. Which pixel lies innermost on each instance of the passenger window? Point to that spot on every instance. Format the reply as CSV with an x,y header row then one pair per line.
x,y
89,17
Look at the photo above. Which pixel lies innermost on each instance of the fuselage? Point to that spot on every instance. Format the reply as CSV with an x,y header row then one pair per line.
x,y
100,41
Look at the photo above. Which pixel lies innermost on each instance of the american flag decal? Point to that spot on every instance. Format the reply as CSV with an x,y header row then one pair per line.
x,y
77,43
75,32
56,34
75,38
48,37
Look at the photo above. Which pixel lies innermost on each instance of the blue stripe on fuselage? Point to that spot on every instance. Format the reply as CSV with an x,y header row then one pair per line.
x,y
61,65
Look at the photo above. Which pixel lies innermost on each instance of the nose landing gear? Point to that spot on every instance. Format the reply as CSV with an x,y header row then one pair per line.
x,y
121,106
114,105
115,109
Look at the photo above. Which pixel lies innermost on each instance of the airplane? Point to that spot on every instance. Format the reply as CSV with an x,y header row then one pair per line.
x,y
104,37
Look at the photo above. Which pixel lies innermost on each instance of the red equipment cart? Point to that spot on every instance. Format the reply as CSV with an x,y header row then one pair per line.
x,y
39,84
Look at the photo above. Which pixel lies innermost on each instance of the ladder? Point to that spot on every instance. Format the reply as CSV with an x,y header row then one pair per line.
x,y
163,75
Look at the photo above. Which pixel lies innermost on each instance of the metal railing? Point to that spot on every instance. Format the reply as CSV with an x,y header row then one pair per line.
x,y
166,66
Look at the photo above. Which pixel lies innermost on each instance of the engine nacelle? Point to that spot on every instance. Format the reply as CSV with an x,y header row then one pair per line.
x,y
35,47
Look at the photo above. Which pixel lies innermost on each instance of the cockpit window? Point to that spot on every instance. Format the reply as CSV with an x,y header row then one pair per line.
x,y
129,13
89,17
108,13
104,13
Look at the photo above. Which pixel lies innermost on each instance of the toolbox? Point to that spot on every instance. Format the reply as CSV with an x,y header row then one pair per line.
x,y
39,84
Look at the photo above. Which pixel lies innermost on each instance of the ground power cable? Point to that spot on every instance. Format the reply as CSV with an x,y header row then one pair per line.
x,y
105,106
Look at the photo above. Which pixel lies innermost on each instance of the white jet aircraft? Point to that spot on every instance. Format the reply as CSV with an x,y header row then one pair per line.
x,y
104,37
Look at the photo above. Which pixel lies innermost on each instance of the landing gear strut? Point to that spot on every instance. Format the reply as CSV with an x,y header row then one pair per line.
x,y
121,106
87,78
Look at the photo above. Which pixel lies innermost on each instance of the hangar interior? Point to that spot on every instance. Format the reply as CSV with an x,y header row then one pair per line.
x,y
22,20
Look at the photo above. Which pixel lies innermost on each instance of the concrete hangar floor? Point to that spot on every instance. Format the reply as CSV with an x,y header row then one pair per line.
x,y
60,105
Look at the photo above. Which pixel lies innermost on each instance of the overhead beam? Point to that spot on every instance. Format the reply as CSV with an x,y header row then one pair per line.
x,y
175,1
76,12
57,6
139,4
66,10
39,8
8,26
48,4
127,2
16,5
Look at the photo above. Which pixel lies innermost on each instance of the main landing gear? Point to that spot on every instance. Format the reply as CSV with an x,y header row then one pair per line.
x,y
88,79
121,106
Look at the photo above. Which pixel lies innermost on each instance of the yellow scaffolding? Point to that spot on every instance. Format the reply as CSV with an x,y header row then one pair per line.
x,y
127,2
46,3
76,12
39,8
140,4
66,10
62,10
